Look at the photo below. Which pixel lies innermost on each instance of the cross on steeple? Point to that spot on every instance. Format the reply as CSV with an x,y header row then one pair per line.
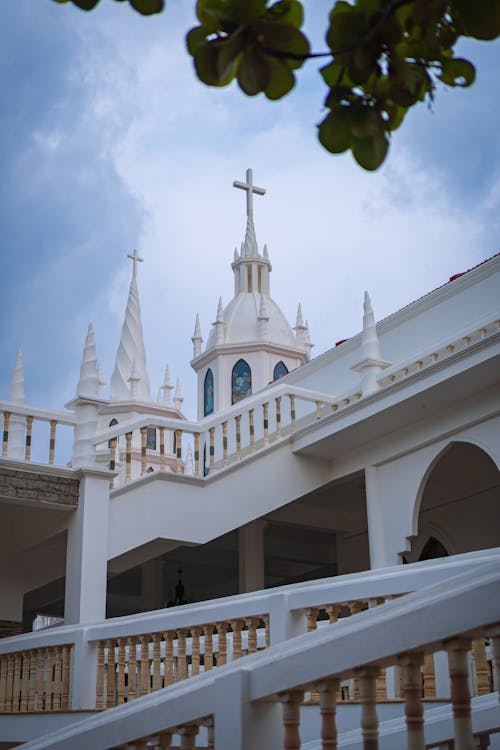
x,y
135,257
250,188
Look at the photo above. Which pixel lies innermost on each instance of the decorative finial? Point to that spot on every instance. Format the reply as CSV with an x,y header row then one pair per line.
x,y
307,340
236,256
300,329
250,190
265,253
88,385
16,391
166,387
135,258
178,397
197,337
371,364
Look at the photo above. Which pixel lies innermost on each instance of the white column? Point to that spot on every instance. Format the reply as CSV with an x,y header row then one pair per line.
x,y
87,550
374,512
389,503
251,556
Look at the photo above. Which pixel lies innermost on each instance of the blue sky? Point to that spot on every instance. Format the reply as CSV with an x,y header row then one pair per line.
x,y
108,142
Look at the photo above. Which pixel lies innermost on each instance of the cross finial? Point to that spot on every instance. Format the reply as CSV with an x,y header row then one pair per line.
x,y
251,189
135,257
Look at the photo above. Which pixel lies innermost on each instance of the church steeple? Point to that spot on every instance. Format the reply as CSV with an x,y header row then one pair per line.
x,y
131,348
251,270
16,391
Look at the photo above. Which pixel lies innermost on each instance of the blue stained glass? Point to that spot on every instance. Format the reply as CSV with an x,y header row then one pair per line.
x,y
241,381
208,393
280,370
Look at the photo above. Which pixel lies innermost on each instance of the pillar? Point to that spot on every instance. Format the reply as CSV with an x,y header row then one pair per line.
x,y
251,556
87,550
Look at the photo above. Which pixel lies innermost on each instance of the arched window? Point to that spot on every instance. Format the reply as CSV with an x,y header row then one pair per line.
x,y
280,370
113,422
208,393
241,381
151,438
433,549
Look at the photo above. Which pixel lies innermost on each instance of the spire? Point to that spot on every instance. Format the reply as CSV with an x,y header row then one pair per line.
x,y
219,324
371,364
265,253
178,397
307,341
16,391
131,348
17,429
197,337
188,464
166,387
369,337
134,380
263,318
300,329
88,385
250,244
236,256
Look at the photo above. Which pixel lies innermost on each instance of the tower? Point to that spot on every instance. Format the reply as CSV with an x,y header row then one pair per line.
x,y
251,342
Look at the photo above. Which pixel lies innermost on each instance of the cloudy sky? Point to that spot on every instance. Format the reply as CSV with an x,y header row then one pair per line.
x,y
108,142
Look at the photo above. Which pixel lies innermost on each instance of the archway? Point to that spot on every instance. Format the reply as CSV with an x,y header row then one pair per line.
x,y
459,508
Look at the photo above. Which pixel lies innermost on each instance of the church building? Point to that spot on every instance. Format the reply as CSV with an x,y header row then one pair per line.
x,y
378,453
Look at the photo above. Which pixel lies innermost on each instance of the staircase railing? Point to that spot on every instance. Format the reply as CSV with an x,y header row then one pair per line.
x,y
258,701
114,662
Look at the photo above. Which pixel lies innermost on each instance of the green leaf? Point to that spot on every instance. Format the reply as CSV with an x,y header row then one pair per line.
x,y
228,52
246,11
335,74
287,11
335,131
85,4
211,12
253,72
206,64
396,116
195,38
147,7
348,28
370,152
282,38
478,18
281,79
457,72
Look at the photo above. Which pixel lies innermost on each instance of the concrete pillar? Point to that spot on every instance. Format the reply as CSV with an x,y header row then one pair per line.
x,y
374,513
389,504
251,556
87,550
152,585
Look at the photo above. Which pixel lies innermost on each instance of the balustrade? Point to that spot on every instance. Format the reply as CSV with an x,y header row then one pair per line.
x,y
130,666
18,431
36,680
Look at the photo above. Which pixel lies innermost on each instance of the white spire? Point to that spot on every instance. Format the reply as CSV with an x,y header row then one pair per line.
x,y
369,337
17,439
188,464
307,341
166,387
16,391
88,385
131,348
265,253
178,397
219,324
371,364
236,256
197,337
263,318
300,329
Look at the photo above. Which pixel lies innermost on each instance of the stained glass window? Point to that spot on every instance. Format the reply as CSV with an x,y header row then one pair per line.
x,y
151,438
280,370
208,393
113,422
241,381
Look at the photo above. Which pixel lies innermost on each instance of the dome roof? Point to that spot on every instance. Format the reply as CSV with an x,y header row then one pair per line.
x,y
242,324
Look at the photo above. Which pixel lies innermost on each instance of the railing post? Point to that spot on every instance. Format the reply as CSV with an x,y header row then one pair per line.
x,y
412,684
5,439
251,428
367,677
238,436
224,443
265,412
458,650
178,445
128,456
291,703
328,703
144,439
212,450
197,454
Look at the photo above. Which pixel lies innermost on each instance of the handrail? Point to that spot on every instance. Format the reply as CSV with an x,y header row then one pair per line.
x,y
446,615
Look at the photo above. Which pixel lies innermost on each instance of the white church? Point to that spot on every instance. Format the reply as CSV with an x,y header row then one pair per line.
x,y
313,563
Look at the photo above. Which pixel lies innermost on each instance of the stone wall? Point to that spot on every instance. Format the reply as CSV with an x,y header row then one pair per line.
x,y
38,487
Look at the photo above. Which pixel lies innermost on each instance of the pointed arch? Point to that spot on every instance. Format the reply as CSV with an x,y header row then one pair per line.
x,y
433,549
280,369
241,381
208,393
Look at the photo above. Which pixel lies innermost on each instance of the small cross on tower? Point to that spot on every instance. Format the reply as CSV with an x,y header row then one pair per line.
x,y
250,188
135,258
